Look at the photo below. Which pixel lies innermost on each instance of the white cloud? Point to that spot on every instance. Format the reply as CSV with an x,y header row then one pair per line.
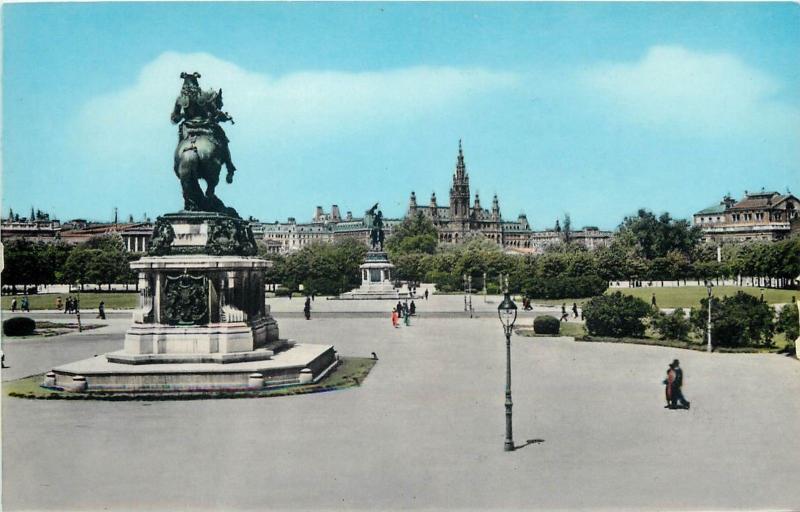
x,y
274,109
696,93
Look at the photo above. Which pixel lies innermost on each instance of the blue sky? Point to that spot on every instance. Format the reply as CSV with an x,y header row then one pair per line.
x,y
589,109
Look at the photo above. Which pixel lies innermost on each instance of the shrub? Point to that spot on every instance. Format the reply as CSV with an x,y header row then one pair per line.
x,y
546,324
616,315
787,322
19,326
736,321
564,287
673,326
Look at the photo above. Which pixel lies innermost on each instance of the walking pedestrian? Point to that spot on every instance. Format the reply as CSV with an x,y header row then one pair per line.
x,y
668,382
412,308
24,304
564,315
677,387
58,303
426,294
13,304
653,301
307,308
394,317
101,310
575,309
399,308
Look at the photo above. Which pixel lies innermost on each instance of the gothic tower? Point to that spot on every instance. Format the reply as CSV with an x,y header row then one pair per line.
x,y
459,192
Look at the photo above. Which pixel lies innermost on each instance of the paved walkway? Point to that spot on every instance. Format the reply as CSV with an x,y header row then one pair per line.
x,y
425,430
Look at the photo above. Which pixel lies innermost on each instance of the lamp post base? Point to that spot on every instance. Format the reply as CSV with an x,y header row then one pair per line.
x,y
509,446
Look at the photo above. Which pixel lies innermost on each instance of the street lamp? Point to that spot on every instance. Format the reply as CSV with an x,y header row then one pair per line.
x,y
507,311
464,279
469,292
709,286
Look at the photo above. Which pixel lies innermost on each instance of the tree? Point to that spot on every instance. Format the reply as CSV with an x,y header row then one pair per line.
x,y
672,326
649,236
22,263
567,232
76,266
736,321
415,234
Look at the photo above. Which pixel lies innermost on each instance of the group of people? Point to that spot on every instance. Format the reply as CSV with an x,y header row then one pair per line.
x,y
72,305
673,387
24,304
404,311
575,313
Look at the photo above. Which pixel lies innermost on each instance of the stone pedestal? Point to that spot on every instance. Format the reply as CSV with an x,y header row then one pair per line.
x,y
201,322
376,279
199,307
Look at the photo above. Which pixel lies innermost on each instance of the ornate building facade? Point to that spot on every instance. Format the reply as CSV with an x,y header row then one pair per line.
x,y
459,221
761,215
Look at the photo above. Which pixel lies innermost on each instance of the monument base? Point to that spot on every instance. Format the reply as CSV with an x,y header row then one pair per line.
x,y
297,364
376,280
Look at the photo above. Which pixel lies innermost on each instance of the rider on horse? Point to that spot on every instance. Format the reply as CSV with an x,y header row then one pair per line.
x,y
200,112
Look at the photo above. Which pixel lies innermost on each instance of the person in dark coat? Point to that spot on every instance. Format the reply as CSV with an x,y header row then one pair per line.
x,y
677,385
307,308
412,308
399,308
575,309
25,305
564,315
426,294
101,310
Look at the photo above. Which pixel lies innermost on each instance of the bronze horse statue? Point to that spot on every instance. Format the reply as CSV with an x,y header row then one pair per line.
x,y
202,146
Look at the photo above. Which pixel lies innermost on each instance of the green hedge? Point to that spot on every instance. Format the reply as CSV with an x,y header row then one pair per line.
x,y
616,315
564,287
546,324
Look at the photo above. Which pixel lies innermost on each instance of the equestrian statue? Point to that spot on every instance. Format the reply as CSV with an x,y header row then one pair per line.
x,y
376,235
202,145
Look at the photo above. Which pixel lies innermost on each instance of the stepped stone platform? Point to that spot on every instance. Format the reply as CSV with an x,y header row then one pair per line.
x,y
290,364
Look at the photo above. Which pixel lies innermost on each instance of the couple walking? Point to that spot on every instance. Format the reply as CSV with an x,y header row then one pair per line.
x,y
674,383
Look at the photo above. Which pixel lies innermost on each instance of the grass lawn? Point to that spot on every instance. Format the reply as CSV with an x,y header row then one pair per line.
x,y
683,296
351,372
688,296
89,300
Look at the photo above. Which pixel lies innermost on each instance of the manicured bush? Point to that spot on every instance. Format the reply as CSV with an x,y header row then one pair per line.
x,y
787,322
19,326
736,321
564,287
546,324
616,315
673,326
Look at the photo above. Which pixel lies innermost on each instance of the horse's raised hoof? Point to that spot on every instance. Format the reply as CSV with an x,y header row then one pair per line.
x,y
229,177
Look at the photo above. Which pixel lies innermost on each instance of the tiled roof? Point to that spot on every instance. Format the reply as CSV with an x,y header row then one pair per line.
x,y
717,208
760,200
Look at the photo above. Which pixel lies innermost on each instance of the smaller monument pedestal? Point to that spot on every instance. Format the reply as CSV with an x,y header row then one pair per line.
x,y
376,280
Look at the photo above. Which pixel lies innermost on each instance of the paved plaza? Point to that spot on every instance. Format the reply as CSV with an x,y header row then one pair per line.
x,y
425,430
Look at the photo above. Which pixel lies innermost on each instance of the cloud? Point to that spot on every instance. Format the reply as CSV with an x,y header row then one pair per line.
x,y
277,109
697,93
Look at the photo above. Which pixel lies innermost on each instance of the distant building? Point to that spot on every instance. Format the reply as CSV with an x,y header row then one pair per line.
x,y
761,215
135,235
458,221
290,236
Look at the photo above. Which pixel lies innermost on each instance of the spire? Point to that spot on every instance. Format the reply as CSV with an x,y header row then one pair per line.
x,y
412,204
495,208
433,200
477,201
460,167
